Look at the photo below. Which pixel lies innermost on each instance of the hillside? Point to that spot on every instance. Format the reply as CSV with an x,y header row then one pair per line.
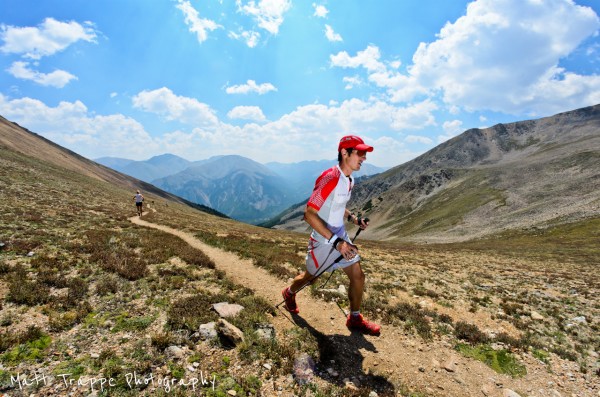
x,y
21,140
526,175
90,290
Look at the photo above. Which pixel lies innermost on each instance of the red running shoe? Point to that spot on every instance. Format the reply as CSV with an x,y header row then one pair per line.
x,y
290,301
358,323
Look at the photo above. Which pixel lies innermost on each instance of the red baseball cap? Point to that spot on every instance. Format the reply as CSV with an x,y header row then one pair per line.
x,y
355,142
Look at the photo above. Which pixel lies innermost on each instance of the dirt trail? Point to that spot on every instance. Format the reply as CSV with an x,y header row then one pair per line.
x,y
398,357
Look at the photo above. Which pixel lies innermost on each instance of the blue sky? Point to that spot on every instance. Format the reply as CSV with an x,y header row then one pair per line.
x,y
283,80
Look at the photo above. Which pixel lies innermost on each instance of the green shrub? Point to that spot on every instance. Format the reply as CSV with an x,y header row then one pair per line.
x,y
162,341
413,316
29,351
23,291
501,361
190,312
469,333
9,339
108,283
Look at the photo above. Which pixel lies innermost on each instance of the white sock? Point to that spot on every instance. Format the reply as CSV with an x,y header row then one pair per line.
x,y
355,314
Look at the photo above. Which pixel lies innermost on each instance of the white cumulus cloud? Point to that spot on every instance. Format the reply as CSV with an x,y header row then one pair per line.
x,y
48,38
71,125
250,37
331,35
352,81
451,129
267,13
251,86
74,126
418,139
320,10
369,59
252,113
57,78
503,55
165,103
200,26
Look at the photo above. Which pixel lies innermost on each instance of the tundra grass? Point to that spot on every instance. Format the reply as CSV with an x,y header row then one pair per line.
x,y
117,295
448,207
575,243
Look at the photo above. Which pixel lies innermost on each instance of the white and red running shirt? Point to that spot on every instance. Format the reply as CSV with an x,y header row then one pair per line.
x,y
329,197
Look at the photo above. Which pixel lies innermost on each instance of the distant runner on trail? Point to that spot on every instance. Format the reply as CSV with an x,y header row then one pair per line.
x,y
325,213
139,202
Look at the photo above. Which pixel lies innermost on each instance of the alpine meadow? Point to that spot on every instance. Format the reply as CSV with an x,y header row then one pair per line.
x,y
92,291
284,198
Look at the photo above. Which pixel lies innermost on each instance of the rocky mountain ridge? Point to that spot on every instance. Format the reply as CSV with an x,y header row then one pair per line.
x,y
511,176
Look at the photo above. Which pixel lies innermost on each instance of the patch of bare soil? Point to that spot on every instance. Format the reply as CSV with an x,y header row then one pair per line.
x,y
396,357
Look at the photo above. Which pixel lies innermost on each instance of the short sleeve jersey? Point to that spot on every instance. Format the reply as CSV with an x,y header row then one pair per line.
x,y
329,197
139,198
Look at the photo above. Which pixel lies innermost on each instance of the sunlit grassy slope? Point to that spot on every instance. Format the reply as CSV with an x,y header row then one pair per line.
x,y
87,292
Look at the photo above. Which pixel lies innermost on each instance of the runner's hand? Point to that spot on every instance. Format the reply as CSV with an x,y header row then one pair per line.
x,y
347,250
362,222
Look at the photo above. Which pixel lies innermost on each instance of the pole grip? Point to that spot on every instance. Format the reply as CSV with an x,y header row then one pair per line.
x,y
359,229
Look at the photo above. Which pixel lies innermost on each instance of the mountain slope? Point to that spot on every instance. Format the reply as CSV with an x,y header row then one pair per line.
x,y
510,176
19,139
513,176
236,186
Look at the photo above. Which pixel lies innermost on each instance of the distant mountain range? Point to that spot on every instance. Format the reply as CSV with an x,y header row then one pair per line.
x,y
525,175
241,188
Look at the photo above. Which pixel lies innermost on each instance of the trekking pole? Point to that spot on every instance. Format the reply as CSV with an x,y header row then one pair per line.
x,y
339,258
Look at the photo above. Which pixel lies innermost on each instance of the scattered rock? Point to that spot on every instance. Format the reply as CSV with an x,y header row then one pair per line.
x,y
580,320
265,331
459,380
486,390
232,392
304,369
230,332
335,291
332,372
174,352
450,365
555,393
207,331
226,310
510,393
267,366
350,386
536,316
497,346
2,245
373,394
30,254
342,290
